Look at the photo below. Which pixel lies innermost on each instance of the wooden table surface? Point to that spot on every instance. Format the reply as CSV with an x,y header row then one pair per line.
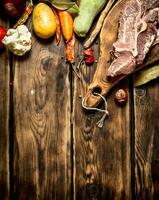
x,y
50,148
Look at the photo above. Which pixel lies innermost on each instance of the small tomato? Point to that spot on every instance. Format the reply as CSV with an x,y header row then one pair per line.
x,y
2,35
88,56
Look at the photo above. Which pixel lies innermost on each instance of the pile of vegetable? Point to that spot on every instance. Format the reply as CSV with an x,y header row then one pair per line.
x,y
52,17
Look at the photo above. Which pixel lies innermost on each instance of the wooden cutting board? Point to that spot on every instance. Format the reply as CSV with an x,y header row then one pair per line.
x,y
108,36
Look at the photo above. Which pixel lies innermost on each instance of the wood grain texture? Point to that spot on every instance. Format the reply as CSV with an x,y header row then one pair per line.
x,y
101,156
4,117
146,141
42,123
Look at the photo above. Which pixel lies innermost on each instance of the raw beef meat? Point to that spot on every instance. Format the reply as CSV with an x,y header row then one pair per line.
x,y
137,33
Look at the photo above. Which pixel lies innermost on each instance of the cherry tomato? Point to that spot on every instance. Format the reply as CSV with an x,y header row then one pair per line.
x,y
2,35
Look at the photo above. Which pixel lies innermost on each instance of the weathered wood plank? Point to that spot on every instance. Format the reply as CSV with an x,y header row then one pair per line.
x,y
4,117
147,141
101,156
42,123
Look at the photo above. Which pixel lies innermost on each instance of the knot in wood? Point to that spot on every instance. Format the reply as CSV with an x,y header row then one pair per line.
x,y
93,190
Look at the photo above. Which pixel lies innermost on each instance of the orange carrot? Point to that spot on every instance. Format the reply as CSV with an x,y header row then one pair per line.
x,y
58,27
66,21
70,50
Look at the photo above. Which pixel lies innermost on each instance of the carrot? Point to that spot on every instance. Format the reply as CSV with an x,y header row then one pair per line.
x,y
66,21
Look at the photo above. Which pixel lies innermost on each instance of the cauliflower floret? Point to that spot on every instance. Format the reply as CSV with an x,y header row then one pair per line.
x,y
18,40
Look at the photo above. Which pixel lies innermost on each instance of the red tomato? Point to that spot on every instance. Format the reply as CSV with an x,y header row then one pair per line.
x,y
2,35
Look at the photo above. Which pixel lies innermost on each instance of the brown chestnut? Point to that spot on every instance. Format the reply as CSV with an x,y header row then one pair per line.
x,y
121,97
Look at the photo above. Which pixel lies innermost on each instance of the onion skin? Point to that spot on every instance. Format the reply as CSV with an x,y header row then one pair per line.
x,y
14,7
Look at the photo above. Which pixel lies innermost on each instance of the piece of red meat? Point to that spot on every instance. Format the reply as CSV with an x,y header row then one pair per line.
x,y
137,33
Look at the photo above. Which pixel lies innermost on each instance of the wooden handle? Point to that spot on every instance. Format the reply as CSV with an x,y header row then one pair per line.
x,y
91,99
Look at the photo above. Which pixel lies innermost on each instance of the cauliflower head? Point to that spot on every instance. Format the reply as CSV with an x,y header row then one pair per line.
x,y
18,40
